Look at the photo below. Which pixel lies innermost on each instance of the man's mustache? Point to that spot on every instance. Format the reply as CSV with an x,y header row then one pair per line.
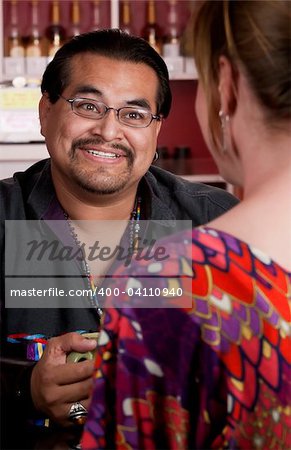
x,y
95,142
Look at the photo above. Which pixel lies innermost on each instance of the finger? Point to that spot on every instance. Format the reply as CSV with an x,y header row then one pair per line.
x,y
58,347
52,396
70,373
71,393
79,393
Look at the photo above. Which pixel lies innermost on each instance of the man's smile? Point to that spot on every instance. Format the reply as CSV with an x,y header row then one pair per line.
x,y
103,154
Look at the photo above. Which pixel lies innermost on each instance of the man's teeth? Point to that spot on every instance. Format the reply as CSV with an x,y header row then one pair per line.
x,y
103,154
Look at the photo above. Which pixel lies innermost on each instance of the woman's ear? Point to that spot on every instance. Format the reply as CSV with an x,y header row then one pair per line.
x,y
43,110
227,86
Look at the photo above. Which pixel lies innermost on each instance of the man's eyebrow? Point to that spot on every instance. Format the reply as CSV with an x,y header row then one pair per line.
x,y
87,89
142,102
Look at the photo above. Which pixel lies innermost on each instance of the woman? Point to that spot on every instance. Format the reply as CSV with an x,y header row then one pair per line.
x,y
217,374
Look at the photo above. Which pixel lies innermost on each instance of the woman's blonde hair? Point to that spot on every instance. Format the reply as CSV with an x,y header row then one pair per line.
x,y
253,35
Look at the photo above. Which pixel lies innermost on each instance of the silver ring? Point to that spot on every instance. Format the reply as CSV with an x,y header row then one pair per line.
x,y
78,413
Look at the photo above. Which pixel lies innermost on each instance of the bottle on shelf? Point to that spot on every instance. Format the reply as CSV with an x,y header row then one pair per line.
x,y
55,32
125,17
14,50
163,152
172,47
15,47
96,15
75,28
187,34
187,45
151,31
34,47
35,61
182,152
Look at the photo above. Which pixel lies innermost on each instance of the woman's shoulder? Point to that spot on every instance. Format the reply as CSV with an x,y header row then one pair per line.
x,y
240,272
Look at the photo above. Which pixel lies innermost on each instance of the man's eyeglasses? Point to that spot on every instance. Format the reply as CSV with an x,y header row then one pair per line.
x,y
127,115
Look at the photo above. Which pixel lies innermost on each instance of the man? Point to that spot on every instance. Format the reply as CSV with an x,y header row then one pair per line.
x,y
104,97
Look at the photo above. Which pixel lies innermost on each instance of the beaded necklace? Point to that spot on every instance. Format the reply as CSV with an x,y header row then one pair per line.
x,y
133,245
135,225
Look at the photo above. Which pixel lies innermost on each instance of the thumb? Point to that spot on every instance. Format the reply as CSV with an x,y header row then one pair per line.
x,y
84,342
58,347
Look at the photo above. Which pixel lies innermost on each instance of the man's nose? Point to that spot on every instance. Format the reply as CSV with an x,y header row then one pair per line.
x,y
109,126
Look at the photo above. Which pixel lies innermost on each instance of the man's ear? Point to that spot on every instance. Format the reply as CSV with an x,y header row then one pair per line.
x,y
159,125
227,86
44,108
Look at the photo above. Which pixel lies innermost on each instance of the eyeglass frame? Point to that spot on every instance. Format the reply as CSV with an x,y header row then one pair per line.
x,y
71,101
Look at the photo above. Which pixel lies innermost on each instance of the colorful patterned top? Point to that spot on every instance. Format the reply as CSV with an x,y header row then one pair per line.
x,y
216,375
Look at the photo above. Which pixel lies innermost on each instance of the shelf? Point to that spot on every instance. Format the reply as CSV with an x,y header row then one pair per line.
x,y
23,152
179,76
183,76
18,157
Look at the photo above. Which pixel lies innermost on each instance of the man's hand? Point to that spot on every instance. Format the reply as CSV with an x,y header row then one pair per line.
x,y
56,384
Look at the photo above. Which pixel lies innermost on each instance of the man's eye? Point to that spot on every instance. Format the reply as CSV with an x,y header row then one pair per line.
x,y
88,107
135,115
